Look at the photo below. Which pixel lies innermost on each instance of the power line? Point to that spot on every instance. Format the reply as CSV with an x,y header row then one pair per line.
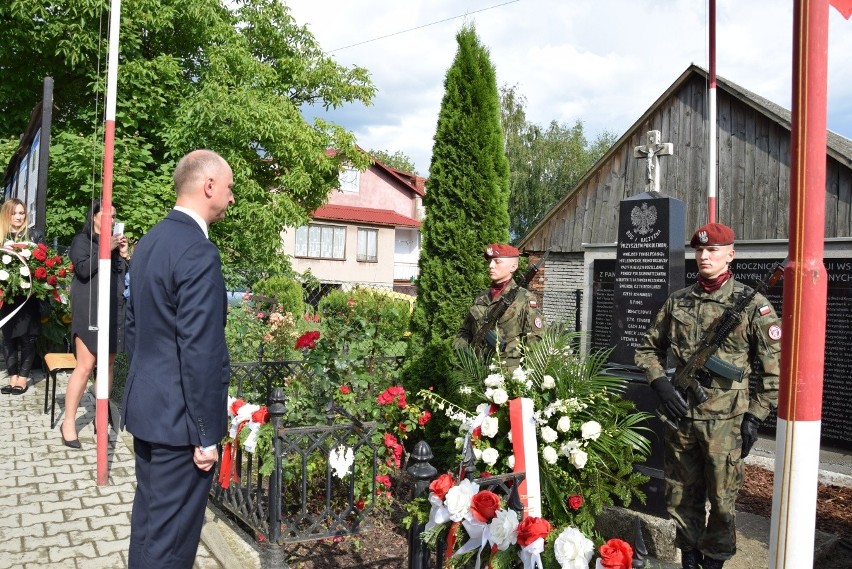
x,y
424,26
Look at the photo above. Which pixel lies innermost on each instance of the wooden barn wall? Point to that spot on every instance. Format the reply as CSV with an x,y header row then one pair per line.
x,y
753,176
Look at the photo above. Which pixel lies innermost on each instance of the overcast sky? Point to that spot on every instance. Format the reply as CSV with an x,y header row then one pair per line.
x,y
603,62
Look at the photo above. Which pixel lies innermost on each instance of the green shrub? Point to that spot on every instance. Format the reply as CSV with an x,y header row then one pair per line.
x,y
286,291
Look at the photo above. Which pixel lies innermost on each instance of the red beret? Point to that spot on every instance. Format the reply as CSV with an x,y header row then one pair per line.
x,y
500,251
712,234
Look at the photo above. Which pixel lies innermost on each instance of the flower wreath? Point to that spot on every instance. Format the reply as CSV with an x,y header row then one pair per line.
x,y
242,415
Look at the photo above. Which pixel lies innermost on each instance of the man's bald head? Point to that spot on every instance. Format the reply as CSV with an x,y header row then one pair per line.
x,y
194,168
203,182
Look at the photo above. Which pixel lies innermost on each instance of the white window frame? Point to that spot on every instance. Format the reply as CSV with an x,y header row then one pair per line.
x,y
321,241
368,242
349,180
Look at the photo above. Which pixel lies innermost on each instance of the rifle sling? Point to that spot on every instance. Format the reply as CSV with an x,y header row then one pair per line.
x,y
494,315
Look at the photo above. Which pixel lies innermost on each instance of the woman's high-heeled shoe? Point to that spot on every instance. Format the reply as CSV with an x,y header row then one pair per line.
x,y
70,444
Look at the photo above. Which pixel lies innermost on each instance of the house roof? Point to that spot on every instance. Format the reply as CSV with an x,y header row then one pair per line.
x,y
837,146
364,215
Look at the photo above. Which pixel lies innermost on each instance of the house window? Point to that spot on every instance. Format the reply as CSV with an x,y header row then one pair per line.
x,y
321,241
367,239
349,179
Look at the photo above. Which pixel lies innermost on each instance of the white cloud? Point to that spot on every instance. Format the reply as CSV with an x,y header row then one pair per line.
x,y
603,62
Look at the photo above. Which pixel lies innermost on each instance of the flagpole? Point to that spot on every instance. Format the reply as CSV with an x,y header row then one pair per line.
x,y
105,250
711,120
797,434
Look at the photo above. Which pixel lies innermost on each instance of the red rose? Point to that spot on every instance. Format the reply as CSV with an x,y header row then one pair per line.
x,y
261,415
40,273
615,554
484,505
52,280
57,259
307,340
39,254
383,479
344,389
50,263
62,273
402,428
424,418
530,529
41,246
441,485
360,504
575,501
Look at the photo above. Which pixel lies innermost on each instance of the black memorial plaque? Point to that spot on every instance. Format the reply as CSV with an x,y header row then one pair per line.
x,y
649,267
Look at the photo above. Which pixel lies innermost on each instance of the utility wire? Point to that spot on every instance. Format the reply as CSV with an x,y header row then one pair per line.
x,y
424,26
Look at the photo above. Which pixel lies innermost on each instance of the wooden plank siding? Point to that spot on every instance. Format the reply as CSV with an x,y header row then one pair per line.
x,y
753,176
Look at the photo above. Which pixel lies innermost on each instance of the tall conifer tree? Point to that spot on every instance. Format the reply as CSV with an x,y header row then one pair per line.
x,y
466,198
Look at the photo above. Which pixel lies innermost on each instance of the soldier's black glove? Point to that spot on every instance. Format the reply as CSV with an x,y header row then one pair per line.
x,y
748,430
672,401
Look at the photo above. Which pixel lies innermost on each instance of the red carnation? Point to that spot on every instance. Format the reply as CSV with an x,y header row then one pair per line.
x,y
307,340
50,263
575,501
40,273
62,273
39,254
52,280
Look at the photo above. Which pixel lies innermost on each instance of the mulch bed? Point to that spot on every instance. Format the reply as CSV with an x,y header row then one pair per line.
x,y
385,547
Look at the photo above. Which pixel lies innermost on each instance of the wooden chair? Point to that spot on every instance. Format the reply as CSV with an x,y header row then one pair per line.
x,y
55,363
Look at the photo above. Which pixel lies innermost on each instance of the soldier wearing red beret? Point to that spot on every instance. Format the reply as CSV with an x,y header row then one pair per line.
x,y
704,456
522,320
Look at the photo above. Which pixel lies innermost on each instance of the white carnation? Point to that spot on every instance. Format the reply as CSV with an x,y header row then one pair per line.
x,y
25,253
458,499
25,284
569,447
490,456
547,382
519,374
564,424
549,454
548,435
591,430
4,276
489,427
7,259
25,271
499,396
573,550
504,529
578,458
494,380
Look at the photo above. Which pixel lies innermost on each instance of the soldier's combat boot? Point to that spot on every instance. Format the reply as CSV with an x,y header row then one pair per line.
x,y
690,558
710,563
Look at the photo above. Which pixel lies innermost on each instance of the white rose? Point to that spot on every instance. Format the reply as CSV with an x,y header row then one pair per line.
x,y
549,454
25,271
548,435
489,427
504,529
25,284
519,375
573,550
25,253
578,458
564,424
477,454
490,456
458,499
547,382
511,461
7,259
499,396
569,447
591,430
494,380
4,276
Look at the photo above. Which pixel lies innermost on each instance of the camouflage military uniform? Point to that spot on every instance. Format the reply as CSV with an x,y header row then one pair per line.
x,y
521,320
703,457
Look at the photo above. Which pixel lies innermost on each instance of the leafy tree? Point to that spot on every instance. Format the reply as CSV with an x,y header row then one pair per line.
x,y
396,160
466,200
545,162
230,76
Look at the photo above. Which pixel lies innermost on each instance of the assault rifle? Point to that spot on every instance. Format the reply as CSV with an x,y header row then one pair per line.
x,y
705,361
486,332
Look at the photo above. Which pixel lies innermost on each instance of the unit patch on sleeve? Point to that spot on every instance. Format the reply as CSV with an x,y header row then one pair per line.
x,y
538,323
774,332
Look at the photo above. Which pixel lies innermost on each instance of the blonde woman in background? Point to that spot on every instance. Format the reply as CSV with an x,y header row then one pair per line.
x,y
21,331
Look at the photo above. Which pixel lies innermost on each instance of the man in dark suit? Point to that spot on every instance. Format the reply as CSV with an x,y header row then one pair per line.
x,y
175,398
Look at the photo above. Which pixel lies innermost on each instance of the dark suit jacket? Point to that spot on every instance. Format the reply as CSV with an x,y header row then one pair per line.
x,y
177,385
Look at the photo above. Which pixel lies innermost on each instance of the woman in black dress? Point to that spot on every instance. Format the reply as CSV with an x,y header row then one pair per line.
x,y
84,310
21,331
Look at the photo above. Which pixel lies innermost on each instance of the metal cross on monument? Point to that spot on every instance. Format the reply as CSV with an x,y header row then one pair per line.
x,y
651,152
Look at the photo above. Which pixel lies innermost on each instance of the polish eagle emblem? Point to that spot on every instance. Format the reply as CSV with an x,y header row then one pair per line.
x,y
643,218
